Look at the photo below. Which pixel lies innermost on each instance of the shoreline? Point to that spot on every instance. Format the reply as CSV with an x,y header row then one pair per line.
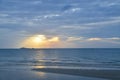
x,y
106,74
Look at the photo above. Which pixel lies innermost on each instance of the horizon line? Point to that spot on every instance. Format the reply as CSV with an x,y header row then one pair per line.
x,y
60,48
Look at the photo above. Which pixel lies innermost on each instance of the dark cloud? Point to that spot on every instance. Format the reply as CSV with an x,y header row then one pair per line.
x,y
88,18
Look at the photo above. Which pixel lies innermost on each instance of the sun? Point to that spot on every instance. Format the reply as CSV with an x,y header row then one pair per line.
x,y
38,38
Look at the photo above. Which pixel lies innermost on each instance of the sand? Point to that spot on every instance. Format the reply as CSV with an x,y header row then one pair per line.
x,y
106,74
28,74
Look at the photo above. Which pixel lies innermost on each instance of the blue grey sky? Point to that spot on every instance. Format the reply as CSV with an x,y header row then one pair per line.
x,y
77,23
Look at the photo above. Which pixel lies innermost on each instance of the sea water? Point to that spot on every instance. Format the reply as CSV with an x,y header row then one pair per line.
x,y
61,57
83,58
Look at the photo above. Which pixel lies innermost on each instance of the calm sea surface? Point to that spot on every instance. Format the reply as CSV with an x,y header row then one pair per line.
x,y
17,64
67,58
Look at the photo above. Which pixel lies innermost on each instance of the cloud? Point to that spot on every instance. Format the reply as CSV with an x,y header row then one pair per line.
x,y
80,27
36,2
42,41
96,20
95,42
50,16
75,38
114,38
94,39
73,10
3,15
93,25
10,38
109,3
108,22
66,7
34,20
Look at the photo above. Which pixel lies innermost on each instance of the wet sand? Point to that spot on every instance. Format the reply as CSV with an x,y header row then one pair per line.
x,y
106,74
26,74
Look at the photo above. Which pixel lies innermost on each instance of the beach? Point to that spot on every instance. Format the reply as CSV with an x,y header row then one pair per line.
x,y
28,74
107,74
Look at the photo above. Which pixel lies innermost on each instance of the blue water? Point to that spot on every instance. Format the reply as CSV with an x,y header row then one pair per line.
x,y
77,58
17,64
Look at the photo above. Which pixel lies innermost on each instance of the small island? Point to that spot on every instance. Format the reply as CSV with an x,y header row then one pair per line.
x,y
26,48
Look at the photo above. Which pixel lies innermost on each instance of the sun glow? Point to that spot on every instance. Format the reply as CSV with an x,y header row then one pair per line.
x,y
39,38
41,41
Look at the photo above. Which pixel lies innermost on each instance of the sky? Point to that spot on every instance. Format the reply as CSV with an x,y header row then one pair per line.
x,y
60,23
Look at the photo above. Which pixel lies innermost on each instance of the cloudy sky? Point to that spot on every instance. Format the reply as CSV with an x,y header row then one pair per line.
x,y
60,23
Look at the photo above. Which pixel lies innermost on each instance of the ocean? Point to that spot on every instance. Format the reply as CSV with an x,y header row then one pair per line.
x,y
22,61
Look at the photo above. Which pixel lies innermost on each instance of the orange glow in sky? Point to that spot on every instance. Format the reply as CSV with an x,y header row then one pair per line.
x,y
41,41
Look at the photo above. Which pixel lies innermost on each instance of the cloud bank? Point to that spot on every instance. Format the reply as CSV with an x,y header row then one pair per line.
x,y
77,23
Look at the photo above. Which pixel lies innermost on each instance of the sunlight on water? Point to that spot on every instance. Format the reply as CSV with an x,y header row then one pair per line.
x,y
41,74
